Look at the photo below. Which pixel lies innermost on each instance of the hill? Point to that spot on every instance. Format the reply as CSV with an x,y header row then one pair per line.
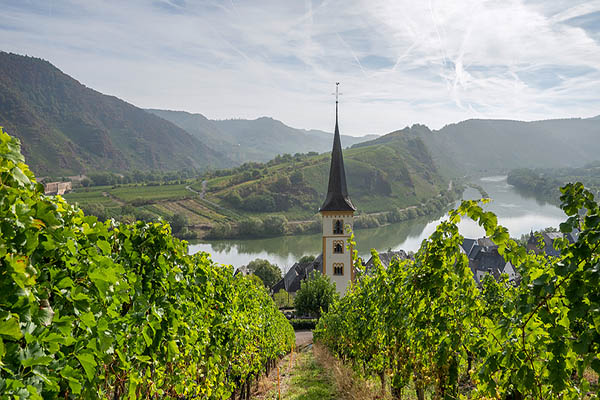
x,y
388,182
545,183
260,139
479,146
68,128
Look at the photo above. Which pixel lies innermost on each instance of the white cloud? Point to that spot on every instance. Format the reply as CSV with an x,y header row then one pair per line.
x,y
400,62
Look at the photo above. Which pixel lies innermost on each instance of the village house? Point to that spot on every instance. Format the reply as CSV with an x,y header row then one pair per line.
x,y
484,259
547,242
54,188
296,274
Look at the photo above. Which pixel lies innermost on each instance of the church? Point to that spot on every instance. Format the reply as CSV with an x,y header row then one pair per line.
x,y
337,214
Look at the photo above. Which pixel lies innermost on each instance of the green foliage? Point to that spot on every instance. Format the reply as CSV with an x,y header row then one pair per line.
x,y
546,183
425,321
268,273
306,258
92,309
303,324
177,222
381,177
316,295
282,299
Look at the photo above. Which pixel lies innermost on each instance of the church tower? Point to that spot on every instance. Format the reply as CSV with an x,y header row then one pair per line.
x,y
338,215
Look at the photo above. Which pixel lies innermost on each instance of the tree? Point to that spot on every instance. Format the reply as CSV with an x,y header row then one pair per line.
x,y
282,184
296,178
316,294
178,222
274,225
306,258
268,273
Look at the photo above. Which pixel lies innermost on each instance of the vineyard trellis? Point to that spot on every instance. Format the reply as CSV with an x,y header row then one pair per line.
x,y
425,321
108,311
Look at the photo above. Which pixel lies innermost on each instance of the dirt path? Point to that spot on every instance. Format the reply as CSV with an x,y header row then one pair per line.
x,y
114,198
312,373
303,338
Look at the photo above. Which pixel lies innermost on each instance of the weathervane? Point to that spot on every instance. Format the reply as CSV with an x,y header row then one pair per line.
x,y
337,97
337,92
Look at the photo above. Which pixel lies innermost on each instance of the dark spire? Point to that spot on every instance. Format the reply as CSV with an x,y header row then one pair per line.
x,y
337,193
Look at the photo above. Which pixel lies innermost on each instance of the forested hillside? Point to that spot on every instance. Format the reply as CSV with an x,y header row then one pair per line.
x,y
546,182
479,146
68,128
260,139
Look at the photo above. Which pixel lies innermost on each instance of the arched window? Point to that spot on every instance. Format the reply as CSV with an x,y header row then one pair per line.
x,y
338,246
338,268
338,227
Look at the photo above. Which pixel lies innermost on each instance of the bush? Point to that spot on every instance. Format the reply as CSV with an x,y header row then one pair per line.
x,y
274,225
316,294
268,273
303,324
250,227
259,203
178,222
282,299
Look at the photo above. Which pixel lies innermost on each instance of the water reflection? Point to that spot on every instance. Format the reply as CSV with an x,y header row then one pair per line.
x,y
518,212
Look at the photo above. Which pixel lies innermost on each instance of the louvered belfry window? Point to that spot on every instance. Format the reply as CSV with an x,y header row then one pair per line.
x,y
338,268
338,227
338,246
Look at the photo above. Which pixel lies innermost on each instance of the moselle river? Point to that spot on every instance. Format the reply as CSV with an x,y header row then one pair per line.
x,y
517,211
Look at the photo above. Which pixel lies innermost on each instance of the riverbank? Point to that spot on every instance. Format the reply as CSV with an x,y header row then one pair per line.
x,y
518,212
279,225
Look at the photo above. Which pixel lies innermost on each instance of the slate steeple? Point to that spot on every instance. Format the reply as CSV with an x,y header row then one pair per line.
x,y
337,193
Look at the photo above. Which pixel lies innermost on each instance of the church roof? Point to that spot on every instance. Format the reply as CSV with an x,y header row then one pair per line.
x,y
337,193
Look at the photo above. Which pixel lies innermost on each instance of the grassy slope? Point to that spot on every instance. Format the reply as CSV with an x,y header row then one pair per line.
x,y
404,163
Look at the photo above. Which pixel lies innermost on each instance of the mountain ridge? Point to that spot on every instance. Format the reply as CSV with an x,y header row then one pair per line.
x,y
66,127
259,139
477,146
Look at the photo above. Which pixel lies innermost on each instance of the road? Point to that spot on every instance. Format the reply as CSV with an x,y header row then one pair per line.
x,y
303,338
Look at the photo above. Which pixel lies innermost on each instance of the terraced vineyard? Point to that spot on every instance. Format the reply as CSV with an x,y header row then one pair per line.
x,y
388,182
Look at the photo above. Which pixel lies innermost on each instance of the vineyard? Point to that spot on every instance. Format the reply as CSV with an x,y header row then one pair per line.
x,y
424,324
100,310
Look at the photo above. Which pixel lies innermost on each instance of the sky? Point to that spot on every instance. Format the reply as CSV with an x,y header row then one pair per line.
x,y
399,62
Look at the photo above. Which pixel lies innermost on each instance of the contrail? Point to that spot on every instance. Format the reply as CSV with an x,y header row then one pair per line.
x,y
353,55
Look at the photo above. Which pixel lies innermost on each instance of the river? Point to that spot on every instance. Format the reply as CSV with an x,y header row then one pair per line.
x,y
517,211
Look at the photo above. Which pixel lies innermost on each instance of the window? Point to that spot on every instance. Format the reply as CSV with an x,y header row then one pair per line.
x,y
338,246
338,227
338,268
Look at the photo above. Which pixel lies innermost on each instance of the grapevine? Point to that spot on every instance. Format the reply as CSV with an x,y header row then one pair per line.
x,y
424,320
103,310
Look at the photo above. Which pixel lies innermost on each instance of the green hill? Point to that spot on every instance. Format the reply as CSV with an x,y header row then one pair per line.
x,y
260,139
381,177
68,128
490,146
388,182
